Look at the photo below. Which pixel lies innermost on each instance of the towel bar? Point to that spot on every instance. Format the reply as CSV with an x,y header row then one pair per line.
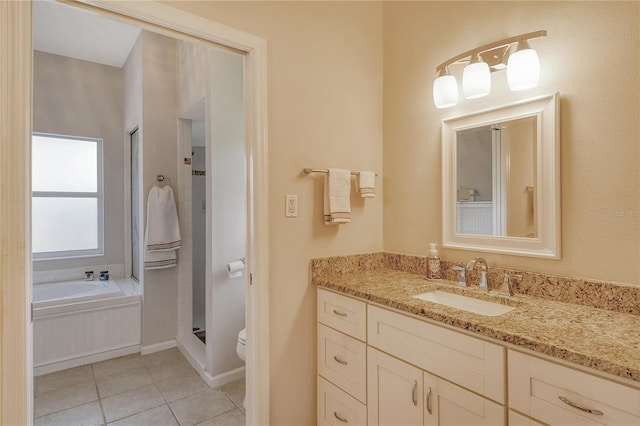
x,y
309,170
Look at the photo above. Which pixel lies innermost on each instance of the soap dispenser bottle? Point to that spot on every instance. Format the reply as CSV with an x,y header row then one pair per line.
x,y
433,263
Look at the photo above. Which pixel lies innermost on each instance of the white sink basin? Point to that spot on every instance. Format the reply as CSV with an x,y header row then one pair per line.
x,y
477,306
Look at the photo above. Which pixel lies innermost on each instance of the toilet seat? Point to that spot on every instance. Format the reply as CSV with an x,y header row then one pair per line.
x,y
242,336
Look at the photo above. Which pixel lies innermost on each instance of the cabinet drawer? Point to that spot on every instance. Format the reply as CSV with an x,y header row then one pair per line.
x,y
335,407
343,313
343,361
536,385
472,363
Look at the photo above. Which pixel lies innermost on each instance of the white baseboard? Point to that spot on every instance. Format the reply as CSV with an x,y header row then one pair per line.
x,y
84,360
194,352
146,350
224,378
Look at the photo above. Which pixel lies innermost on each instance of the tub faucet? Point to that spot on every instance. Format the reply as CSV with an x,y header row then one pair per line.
x,y
483,270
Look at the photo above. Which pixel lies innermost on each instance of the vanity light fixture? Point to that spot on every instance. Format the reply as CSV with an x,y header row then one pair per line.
x,y
476,78
523,69
445,90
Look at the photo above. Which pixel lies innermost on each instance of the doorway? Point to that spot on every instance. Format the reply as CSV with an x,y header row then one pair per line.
x,y
198,229
213,178
15,41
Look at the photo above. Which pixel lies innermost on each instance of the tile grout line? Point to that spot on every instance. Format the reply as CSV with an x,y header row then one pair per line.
x,y
104,417
217,415
93,375
66,408
148,365
173,414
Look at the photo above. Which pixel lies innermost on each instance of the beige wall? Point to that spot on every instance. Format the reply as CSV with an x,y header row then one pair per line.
x,y
325,110
79,98
591,56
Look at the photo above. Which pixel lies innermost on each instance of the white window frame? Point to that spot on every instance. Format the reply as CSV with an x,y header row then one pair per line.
x,y
98,194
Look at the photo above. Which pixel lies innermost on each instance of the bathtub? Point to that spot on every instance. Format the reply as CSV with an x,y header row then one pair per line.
x,y
81,322
73,292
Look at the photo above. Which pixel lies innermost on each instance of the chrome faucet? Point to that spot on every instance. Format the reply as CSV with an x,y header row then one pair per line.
x,y
461,280
483,270
506,289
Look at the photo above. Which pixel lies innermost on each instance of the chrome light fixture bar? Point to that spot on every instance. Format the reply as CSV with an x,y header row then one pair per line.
x,y
523,69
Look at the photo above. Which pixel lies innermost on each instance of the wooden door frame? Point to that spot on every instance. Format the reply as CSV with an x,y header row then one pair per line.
x,y
16,376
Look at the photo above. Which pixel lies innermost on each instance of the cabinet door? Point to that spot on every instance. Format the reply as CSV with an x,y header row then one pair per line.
x,y
517,419
395,391
447,404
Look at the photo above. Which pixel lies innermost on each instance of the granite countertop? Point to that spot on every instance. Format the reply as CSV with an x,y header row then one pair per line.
x,y
597,338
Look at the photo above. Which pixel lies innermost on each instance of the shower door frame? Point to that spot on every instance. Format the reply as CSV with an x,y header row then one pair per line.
x,y
16,363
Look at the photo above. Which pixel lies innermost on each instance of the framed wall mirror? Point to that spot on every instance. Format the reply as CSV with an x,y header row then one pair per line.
x,y
501,179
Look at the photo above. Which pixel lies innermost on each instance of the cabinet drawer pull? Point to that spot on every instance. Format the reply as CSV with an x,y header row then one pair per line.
x,y
429,401
580,407
340,360
414,393
339,417
339,313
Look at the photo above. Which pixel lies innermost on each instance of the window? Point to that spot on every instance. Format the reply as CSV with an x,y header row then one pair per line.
x,y
67,198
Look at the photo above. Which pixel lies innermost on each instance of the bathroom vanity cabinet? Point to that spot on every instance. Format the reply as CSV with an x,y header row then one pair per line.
x,y
342,360
450,367
377,366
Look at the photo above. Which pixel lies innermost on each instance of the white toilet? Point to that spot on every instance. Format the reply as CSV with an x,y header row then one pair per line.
x,y
241,350
242,344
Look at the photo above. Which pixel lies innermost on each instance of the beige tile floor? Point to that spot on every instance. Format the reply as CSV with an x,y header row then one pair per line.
x,y
156,389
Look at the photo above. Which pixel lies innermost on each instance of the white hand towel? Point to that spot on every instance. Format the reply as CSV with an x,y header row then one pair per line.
x,y
366,184
337,197
163,230
159,259
162,233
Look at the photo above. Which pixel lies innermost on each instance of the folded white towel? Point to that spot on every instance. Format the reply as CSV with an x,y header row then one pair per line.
x,y
366,184
162,233
163,230
337,197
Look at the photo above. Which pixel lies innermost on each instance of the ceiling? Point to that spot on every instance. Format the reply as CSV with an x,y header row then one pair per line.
x,y
65,30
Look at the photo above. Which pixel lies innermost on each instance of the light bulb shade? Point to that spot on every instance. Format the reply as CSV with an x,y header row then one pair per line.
x,y
476,80
523,70
445,91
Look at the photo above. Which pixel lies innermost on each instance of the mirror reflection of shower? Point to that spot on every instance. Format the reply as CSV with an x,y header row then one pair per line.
x,y
198,216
